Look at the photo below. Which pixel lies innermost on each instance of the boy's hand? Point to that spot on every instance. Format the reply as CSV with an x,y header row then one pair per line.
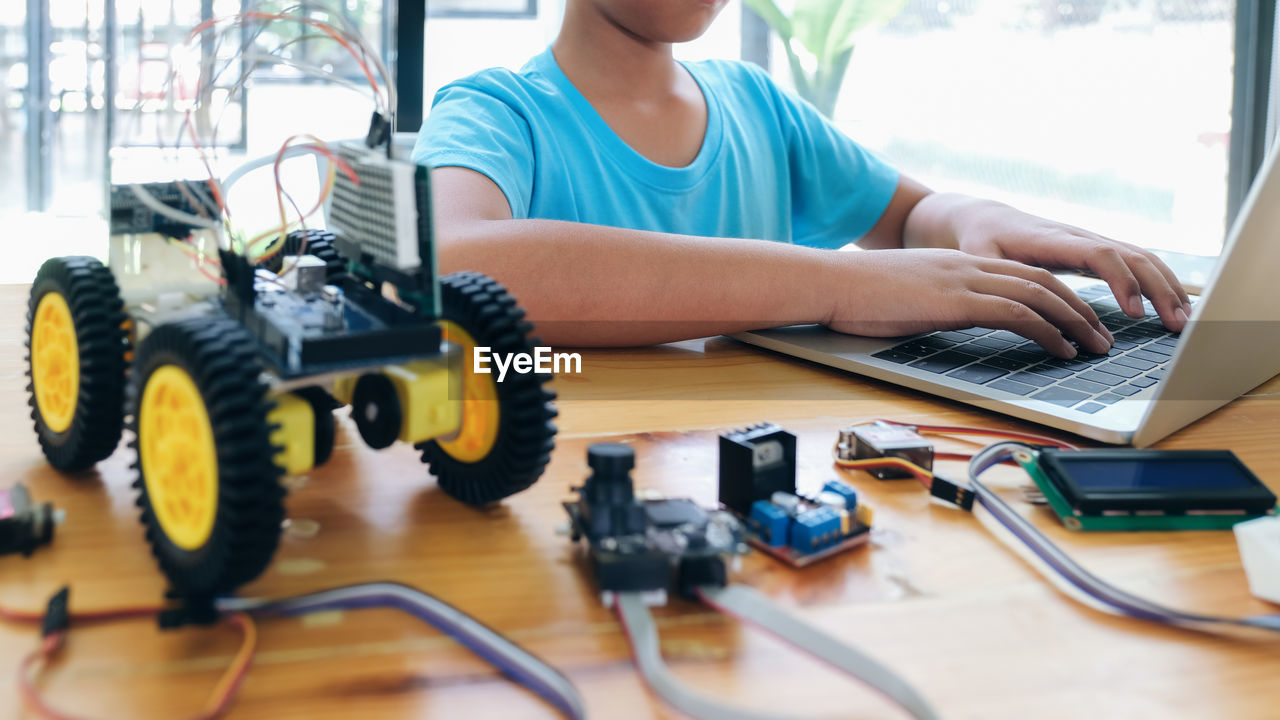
x,y
993,230
902,292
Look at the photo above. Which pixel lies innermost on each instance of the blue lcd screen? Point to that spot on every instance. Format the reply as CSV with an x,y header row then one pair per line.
x,y
1092,476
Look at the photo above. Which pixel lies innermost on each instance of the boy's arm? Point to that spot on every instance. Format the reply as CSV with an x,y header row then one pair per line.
x,y
594,285
918,218
591,285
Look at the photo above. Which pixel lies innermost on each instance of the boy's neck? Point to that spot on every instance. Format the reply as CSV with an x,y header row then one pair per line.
x,y
600,57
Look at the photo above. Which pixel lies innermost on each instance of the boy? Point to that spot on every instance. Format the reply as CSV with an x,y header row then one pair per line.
x,y
622,197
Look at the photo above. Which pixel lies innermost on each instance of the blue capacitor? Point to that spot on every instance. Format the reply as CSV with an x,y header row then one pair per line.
x,y
815,530
844,490
769,522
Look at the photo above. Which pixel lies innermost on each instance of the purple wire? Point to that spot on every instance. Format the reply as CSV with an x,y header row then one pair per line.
x,y
564,698
1080,578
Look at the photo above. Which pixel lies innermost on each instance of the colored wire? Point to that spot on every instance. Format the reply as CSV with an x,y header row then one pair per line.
x,y
1053,561
201,259
335,163
347,35
302,226
509,658
81,616
219,700
1031,544
924,476
239,173
336,35
983,432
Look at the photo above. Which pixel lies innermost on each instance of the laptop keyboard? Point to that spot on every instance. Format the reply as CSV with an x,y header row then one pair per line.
x,y
1006,361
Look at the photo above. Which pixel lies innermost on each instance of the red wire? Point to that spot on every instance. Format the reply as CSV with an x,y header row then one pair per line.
x,y
51,644
958,456
83,616
984,432
322,27
924,476
195,143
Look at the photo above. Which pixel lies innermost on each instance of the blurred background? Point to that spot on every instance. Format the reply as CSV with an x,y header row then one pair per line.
x,y
1115,115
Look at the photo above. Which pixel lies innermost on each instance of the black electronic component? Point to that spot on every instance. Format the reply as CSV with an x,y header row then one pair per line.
x,y
951,492
24,525
647,545
57,615
881,439
379,131
755,463
1168,482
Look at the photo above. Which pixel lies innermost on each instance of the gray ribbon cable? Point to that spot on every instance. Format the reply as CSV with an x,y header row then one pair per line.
x,y
748,605
514,661
643,633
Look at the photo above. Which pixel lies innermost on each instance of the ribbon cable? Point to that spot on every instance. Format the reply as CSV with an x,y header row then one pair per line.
x,y
514,661
750,606
1079,582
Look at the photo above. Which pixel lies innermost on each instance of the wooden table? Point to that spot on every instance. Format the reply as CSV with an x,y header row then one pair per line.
x,y
935,596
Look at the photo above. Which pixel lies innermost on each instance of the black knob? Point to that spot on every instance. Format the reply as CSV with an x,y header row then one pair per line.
x,y
611,460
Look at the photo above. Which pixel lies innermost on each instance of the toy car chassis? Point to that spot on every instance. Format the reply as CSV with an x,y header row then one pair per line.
x,y
227,383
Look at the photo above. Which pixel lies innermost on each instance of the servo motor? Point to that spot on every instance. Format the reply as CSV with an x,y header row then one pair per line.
x,y
25,526
880,440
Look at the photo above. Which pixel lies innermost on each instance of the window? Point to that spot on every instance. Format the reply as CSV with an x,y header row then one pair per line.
x,y
59,104
1114,116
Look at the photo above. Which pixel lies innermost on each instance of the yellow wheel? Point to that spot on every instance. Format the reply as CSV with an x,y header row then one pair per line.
x,y
506,435
77,347
475,437
208,482
55,361
178,457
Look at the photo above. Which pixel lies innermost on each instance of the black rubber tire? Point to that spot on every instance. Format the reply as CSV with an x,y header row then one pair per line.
x,y
322,406
376,391
526,436
319,243
222,359
102,343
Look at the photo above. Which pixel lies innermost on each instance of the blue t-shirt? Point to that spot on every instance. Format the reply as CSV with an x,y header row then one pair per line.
x,y
770,167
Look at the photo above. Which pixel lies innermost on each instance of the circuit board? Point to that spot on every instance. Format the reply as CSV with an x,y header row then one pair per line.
x,y
130,215
801,531
649,544
383,224
757,483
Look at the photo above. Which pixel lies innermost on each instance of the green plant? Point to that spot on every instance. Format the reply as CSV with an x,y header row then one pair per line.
x,y
819,36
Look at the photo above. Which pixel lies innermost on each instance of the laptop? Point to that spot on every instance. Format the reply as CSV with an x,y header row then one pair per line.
x,y
1151,384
